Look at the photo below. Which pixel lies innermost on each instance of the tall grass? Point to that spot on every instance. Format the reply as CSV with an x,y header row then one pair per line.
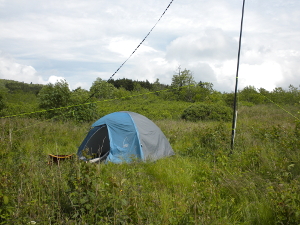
x,y
202,184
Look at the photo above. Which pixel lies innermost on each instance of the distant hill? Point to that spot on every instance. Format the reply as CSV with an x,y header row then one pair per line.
x,y
16,86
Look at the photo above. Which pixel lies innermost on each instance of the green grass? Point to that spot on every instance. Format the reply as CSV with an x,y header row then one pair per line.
x,y
202,184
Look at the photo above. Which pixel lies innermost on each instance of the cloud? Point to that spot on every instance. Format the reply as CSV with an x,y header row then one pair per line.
x,y
83,40
150,67
211,44
11,70
266,75
125,47
55,79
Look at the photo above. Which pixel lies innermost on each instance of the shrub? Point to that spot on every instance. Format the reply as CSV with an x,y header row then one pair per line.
x,y
101,89
83,111
54,95
61,103
250,94
204,111
2,104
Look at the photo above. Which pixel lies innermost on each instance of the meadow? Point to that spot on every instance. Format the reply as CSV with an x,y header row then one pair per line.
x,y
204,183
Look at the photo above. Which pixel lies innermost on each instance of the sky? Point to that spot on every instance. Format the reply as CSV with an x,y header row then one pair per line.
x,y
81,40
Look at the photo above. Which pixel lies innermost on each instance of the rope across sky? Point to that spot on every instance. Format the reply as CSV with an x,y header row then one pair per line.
x,y
142,40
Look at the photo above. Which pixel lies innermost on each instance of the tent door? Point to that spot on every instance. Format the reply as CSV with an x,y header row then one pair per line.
x,y
98,144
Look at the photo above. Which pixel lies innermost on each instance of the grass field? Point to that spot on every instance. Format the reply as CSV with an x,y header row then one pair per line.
x,y
259,183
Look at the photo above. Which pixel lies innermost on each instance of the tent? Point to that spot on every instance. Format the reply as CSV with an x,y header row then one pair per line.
x,y
122,136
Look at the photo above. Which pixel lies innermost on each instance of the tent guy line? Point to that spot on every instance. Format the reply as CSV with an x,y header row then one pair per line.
x,y
279,106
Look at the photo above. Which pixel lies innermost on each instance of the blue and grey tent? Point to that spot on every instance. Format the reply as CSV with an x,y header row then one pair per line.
x,y
123,136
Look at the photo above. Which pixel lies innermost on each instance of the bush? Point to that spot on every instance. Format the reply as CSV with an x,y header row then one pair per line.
x,y
2,104
54,95
61,103
82,111
207,112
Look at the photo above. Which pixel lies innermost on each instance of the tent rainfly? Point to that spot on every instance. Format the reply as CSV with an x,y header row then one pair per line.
x,y
123,136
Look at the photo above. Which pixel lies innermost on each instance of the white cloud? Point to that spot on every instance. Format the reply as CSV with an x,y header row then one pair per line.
x,y
211,44
80,40
54,79
125,47
11,70
266,75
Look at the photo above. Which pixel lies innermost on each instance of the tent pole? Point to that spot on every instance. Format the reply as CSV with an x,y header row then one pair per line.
x,y
236,84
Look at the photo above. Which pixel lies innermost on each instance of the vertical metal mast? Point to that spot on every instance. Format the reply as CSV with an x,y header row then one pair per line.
x,y
236,83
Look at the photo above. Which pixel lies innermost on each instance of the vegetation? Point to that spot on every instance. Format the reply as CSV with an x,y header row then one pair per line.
x,y
204,111
259,183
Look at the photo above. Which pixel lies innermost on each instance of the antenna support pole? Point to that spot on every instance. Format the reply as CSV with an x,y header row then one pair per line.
x,y
236,83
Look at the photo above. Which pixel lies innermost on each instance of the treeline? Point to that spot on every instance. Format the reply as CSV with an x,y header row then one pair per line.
x,y
131,85
15,86
80,104
128,84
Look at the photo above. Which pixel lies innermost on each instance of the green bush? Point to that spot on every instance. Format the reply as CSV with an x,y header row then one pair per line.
x,y
61,103
2,104
54,95
207,112
82,111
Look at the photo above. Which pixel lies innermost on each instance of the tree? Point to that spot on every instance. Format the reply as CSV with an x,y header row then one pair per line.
x,y
278,95
54,95
183,78
101,89
125,83
202,91
281,96
157,85
66,104
80,111
3,92
183,85
293,95
250,94
2,104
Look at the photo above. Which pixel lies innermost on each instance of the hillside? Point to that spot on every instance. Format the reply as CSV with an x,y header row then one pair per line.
x,y
15,86
19,98
202,184
206,182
